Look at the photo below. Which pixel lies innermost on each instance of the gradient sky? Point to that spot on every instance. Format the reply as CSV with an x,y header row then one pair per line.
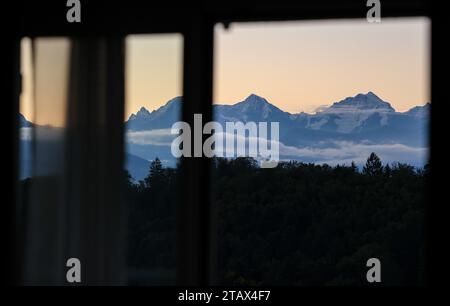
x,y
50,88
153,75
298,66
154,70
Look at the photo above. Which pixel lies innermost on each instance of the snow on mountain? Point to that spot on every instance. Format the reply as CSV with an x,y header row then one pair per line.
x,y
361,102
349,127
253,108
351,112
345,131
419,111
358,114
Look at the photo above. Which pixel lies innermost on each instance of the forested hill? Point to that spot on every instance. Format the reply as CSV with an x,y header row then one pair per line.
x,y
296,224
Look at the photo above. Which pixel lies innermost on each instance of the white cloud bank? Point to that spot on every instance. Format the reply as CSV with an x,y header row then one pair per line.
x,y
332,152
160,137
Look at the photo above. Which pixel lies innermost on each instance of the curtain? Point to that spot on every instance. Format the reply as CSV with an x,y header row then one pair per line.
x,y
72,154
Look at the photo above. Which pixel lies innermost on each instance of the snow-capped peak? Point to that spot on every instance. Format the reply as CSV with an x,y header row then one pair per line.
x,y
349,113
255,99
419,111
258,106
361,102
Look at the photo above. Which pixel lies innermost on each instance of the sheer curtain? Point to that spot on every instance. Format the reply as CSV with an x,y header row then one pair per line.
x,y
72,200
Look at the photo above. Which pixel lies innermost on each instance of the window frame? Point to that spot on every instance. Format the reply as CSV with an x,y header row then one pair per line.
x,y
195,218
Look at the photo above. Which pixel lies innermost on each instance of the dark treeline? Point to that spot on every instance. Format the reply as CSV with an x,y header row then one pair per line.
x,y
296,224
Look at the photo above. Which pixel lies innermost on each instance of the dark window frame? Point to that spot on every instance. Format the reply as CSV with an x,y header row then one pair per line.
x,y
196,23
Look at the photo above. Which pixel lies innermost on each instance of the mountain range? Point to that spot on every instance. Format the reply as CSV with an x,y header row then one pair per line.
x,y
347,130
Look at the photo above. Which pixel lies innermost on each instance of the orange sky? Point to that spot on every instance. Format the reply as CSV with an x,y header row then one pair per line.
x,y
154,70
297,66
52,63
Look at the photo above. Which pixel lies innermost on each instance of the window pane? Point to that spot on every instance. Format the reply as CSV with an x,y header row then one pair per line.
x,y
153,104
43,104
352,103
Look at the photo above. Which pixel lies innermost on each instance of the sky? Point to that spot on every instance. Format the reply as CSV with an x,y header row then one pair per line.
x,y
302,65
297,66
49,92
154,70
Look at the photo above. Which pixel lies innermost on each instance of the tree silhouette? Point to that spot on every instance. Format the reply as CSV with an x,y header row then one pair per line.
x,y
387,171
156,176
296,224
373,166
